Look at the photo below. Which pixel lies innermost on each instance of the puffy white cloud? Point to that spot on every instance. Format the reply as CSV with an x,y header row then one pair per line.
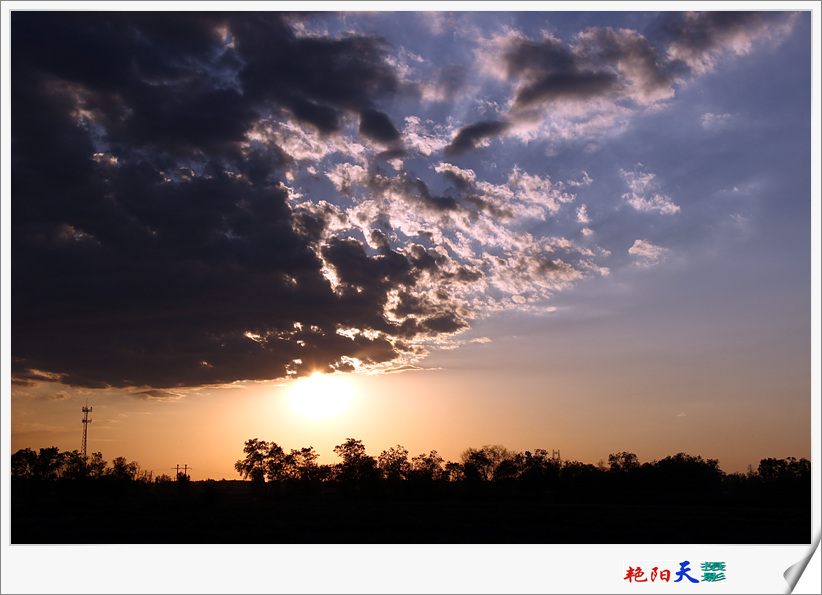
x,y
539,190
302,144
427,136
646,253
644,194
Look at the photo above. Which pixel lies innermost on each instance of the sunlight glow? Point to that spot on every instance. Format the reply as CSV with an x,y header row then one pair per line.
x,y
320,396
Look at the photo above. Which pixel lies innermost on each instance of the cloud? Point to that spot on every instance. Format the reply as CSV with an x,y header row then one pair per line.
x,y
377,126
426,137
60,395
600,67
401,369
699,40
154,208
646,253
473,135
202,198
595,82
644,195
159,395
641,73
711,121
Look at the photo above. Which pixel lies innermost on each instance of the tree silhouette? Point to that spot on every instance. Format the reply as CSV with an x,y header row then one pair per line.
x,y
687,473
356,465
784,470
623,462
262,460
301,465
453,472
574,470
427,467
480,464
95,465
49,463
393,463
122,470
538,469
73,465
275,463
24,463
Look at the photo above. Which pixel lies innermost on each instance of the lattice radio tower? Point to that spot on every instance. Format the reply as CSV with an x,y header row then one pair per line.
x,y
86,422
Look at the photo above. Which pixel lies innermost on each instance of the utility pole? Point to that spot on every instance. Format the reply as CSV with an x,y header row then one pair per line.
x,y
86,422
185,471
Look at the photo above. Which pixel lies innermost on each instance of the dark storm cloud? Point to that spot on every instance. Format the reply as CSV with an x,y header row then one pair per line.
x,y
443,323
421,258
377,126
468,136
643,74
152,245
706,30
525,57
430,201
696,39
414,191
550,71
395,153
356,269
317,79
489,207
562,85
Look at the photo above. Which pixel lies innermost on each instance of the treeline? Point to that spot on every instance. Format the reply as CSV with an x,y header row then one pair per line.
x,y
489,495
49,464
495,469
491,469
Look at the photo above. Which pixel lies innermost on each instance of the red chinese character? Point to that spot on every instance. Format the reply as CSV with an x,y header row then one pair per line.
x,y
635,574
653,573
665,575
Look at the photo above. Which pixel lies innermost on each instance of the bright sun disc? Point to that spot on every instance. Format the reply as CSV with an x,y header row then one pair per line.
x,y
320,396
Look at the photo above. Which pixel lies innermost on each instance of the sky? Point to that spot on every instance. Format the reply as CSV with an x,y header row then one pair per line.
x,y
581,231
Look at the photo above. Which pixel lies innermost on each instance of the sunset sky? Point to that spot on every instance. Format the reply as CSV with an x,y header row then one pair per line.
x,y
581,231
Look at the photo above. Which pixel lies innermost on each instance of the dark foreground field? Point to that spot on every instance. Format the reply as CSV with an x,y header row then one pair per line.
x,y
203,513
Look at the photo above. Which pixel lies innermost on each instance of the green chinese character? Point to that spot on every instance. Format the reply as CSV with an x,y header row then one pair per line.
x,y
712,566
712,577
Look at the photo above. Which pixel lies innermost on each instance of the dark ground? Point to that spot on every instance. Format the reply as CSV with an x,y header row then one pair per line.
x,y
213,514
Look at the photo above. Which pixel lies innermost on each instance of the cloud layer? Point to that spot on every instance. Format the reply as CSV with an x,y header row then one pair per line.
x,y
203,198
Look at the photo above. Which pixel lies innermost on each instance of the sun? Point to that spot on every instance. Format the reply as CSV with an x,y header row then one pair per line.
x,y
319,396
